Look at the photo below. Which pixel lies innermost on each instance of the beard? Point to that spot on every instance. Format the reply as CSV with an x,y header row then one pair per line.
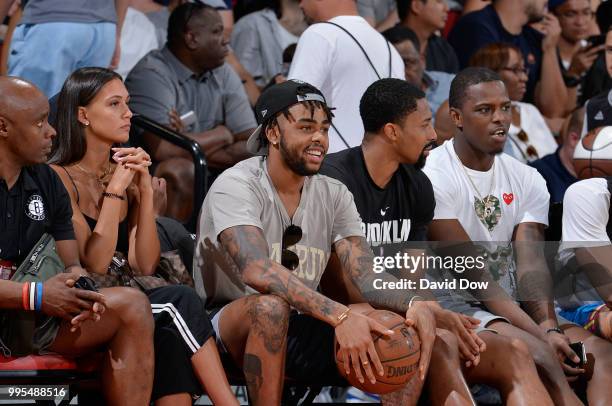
x,y
294,160
533,14
420,163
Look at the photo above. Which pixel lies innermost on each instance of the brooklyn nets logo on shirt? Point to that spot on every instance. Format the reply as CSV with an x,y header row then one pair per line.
x,y
35,208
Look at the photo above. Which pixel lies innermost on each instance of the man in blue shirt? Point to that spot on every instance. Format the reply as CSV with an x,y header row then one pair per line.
x,y
558,169
507,21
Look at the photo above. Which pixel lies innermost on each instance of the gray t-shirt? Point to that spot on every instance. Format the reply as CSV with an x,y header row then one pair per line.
x,y
160,82
244,196
72,11
379,9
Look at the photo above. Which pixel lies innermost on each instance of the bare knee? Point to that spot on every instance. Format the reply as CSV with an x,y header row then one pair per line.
x,y
270,309
131,306
517,356
519,349
446,346
544,357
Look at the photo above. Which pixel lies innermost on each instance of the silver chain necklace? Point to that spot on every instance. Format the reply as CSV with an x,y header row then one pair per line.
x,y
491,187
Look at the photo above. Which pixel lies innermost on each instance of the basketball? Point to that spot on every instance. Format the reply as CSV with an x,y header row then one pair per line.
x,y
399,355
593,154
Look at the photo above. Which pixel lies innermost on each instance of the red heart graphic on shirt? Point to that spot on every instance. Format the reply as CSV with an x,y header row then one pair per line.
x,y
508,197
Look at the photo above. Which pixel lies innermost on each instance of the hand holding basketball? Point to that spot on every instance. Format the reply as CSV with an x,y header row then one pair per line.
x,y
356,346
422,319
397,354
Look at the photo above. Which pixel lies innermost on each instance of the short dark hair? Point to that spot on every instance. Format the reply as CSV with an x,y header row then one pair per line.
x,y
388,101
603,16
179,19
467,78
403,8
79,90
400,33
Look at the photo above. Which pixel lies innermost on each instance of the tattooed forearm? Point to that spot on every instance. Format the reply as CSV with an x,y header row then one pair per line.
x,y
534,278
357,258
248,247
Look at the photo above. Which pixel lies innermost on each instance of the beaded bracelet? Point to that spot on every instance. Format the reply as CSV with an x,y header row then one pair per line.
x,y
555,330
113,196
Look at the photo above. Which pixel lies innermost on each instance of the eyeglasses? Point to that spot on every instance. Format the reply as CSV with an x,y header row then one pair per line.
x,y
517,70
530,151
291,236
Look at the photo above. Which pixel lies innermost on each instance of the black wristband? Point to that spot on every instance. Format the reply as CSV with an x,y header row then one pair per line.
x,y
113,196
556,330
571,81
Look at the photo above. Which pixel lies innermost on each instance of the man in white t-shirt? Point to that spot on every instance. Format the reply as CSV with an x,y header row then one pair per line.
x,y
266,231
584,289
487,197
342,59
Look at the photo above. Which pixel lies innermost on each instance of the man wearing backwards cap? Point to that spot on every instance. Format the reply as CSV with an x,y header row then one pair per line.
x,y
268,226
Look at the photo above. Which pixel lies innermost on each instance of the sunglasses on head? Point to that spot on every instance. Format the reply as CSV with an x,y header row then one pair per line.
x,y
291,236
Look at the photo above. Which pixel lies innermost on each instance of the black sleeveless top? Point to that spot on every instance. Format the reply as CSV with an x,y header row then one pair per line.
x,y
123,237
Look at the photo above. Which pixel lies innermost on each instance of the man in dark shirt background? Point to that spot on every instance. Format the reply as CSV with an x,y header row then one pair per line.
x,y
557,169
426,18
507,21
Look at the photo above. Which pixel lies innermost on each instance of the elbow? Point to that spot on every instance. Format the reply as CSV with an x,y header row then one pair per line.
x,y
145,266
97,268
255,277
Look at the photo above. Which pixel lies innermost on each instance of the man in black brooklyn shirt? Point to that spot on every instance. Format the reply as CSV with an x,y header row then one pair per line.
x,y
396,203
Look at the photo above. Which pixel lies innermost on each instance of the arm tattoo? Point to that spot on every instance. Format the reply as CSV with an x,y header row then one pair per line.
x,y
252,373
534,278
357,259
249,249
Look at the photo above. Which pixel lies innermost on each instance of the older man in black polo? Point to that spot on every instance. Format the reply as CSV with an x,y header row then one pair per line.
x,y
33,201
188,86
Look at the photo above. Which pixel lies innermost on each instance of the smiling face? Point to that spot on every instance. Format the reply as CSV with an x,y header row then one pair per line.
x,y
301,140
107,116
26,128
484,117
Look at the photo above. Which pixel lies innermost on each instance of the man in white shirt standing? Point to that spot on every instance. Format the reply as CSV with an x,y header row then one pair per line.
x,y
487,197
342,56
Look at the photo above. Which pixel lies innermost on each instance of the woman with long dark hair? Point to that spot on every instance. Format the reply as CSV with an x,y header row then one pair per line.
x,y
529,137
112,203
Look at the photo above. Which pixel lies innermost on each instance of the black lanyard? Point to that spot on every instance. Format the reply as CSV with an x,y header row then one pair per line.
x,y
369,61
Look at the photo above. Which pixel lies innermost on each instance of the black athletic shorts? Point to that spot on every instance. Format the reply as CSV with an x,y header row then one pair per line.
x,y
310,351
181,328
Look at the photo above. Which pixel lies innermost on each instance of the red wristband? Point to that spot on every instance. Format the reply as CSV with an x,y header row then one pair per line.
x,y
25,296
